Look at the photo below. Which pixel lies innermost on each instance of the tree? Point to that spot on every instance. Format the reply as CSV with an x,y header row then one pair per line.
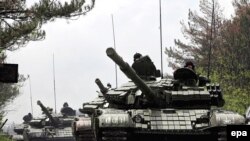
x,y
221,47
20,24
236,37
235,60
201,32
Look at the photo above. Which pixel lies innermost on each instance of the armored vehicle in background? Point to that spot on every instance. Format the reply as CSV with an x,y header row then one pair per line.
x,y
183,108
51,128
18,129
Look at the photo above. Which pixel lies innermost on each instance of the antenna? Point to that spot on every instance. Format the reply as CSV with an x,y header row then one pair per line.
x,y
54,81
161,39
115,49
30,95
3,124
210,43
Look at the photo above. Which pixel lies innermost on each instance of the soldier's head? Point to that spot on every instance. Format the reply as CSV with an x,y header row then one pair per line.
x,y
190,65
65,104
137,56
109,85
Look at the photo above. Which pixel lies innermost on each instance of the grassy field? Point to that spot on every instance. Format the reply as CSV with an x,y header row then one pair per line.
x,y
4,138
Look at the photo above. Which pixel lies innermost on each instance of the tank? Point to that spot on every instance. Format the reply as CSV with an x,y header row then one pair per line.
x,y
186,107
52,127
18,129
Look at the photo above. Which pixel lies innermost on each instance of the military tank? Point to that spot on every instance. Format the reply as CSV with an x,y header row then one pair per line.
x,y
50,128
183,108
18,129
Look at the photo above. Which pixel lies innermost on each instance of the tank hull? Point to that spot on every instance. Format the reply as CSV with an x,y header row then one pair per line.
x,y
155,124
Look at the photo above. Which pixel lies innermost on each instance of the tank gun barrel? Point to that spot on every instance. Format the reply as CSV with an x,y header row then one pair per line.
x,y
46,112
103,89
130,73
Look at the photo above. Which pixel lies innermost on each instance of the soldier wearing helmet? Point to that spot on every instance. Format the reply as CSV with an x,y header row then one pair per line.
x,y
27,118
202,80
190,65
66,110
143,66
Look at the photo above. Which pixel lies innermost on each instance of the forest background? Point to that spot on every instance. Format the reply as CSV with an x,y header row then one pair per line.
x,y
219,48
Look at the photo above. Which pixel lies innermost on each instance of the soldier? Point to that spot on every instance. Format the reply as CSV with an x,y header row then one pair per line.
x,y
143,66
190,65
27,118
201,79
137,56
66,110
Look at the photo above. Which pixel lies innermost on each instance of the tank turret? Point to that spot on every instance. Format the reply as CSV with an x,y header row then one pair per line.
x,y
103,89
47,113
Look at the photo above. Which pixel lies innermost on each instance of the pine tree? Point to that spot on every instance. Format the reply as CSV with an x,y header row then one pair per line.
x,y
223,43
201,33
20,24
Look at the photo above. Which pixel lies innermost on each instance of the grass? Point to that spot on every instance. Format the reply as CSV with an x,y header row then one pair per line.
x,y
4,138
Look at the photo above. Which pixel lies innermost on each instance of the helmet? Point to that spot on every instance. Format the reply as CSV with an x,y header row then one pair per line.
x,y
65,104
137,56
190,63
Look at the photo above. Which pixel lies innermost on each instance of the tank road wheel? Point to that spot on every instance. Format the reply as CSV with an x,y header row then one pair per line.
x,y
85,136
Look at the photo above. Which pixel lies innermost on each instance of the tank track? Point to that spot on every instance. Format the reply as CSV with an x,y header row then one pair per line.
x,y
222,136
86,135
173,132
113,135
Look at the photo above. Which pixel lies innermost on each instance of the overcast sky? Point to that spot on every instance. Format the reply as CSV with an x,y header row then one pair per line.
x,y
79,50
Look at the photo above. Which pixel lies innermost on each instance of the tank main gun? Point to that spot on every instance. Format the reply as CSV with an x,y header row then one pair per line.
x,y
130,73
46,112
103,89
